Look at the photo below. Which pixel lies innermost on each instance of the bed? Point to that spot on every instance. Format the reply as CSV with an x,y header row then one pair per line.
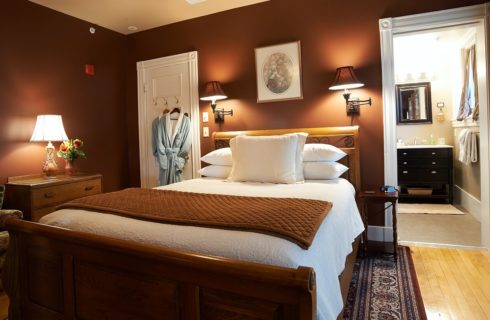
x,y
123,269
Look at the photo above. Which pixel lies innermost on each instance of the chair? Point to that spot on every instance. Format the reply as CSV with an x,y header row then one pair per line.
x,y
4,235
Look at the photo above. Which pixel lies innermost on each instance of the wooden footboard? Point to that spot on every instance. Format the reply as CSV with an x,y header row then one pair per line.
x,y
53,273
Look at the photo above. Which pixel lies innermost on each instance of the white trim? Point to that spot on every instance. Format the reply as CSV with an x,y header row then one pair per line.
x,y
144,128
471,204
440,245
394,26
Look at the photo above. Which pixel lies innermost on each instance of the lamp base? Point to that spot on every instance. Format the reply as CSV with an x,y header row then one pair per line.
x,y
50,168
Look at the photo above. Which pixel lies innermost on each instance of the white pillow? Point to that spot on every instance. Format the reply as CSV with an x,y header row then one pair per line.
x,y
216,171
220,157
322,152
264,158
299,154
323,170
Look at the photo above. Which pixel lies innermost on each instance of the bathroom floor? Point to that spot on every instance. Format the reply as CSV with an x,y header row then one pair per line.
x,y
459,230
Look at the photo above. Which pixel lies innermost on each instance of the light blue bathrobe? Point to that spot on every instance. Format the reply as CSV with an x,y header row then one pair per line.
x,y
171,147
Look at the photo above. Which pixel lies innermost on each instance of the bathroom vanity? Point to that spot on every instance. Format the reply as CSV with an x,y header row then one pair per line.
x,y
425,172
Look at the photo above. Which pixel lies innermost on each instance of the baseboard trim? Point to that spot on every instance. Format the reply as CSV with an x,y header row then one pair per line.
x,y
440,245
383,234
468,202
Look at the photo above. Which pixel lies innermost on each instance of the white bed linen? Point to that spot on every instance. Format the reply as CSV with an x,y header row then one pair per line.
x,y
332,243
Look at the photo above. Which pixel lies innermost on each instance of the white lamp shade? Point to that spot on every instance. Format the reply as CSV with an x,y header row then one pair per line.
x,y
49,128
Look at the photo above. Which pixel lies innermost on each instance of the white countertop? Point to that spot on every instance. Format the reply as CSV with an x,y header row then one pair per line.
x,y
424,146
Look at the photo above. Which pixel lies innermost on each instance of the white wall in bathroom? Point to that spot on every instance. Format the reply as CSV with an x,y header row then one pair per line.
x,y
436,58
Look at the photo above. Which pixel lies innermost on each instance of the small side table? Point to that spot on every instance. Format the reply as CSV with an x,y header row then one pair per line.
x,y
368,197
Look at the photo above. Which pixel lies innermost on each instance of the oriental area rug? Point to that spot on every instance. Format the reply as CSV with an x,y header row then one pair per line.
x,y
384,289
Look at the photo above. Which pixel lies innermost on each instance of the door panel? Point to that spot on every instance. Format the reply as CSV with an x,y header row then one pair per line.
x,y
166,83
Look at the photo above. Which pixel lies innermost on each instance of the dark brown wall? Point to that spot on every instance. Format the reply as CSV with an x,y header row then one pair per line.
x,y
332,34
42,58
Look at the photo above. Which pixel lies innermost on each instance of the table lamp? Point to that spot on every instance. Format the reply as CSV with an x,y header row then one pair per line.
x,y
49,128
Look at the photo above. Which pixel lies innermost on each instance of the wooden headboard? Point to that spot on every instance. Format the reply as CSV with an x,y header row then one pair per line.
x,y
345,138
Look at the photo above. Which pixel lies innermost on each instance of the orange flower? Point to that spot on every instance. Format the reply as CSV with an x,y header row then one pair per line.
x,y
63,147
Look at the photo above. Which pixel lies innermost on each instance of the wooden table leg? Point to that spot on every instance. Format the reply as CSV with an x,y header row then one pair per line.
x,y
395,234
364,234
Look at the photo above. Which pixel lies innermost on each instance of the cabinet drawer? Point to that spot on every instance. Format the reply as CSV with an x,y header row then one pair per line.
x,y
424,163
423,153
422,175
54,195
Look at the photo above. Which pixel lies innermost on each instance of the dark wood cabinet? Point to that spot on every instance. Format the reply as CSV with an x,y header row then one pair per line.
x,y
425,173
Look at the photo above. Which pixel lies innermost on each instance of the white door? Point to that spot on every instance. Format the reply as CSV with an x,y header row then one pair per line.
x,y
164,84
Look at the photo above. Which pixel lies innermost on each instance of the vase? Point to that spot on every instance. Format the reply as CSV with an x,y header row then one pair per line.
x,y
70,168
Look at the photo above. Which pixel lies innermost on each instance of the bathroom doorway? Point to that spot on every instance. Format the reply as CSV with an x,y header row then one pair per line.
x,y
428,54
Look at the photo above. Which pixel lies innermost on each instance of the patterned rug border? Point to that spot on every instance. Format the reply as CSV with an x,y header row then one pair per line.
x,y
365,288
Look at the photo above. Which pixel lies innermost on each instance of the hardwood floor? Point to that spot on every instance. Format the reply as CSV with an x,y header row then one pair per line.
x,y
455,284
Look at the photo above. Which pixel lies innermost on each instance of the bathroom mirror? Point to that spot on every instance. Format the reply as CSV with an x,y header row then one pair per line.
x,y
413,103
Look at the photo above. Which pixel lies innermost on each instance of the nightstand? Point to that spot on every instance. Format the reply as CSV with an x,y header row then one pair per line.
x,y
37,195
370,197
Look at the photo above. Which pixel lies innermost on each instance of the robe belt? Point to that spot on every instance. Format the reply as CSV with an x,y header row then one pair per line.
x,y
171,155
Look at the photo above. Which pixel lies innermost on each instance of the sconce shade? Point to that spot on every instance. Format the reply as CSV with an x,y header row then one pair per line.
x,y
345,79
213,92
49,128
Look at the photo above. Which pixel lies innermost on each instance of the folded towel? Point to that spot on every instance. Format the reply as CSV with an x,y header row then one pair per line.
x,y
473,148
464,146
468,146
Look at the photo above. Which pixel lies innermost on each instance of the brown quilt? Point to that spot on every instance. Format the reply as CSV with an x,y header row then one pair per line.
x,y
296,220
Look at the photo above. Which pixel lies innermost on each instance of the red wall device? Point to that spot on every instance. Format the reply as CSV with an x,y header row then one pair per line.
x,y
90,69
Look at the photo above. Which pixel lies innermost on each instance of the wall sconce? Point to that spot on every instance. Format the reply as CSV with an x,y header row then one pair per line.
x,y
49,128
213,92
440,116
345,79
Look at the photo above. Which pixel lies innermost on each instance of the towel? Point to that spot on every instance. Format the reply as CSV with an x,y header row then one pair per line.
x,y
473,147
468,147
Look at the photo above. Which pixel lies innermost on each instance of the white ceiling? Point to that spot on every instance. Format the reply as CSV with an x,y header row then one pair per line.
x,y
118,15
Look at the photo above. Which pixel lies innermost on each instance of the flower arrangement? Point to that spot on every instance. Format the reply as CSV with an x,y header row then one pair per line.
x,y
70,150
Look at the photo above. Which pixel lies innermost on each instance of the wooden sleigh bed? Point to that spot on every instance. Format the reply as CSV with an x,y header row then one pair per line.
x,y
54,273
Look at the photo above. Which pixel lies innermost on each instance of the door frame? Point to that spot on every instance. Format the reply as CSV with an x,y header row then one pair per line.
x,y
389,27
189,58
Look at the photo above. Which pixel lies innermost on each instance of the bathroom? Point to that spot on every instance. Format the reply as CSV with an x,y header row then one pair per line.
x,y
438,182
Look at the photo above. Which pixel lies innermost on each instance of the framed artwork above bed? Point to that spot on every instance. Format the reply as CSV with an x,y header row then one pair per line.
x,y
278,70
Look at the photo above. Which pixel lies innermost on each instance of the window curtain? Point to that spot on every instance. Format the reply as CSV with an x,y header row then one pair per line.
x,y
469,94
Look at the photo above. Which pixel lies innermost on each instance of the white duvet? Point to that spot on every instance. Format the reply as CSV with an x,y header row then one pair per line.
x,y
332,243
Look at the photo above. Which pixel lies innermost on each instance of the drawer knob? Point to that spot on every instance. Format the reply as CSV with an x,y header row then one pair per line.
x,y
433,153
433,172
405,162
433,162
49,195
405,172
88,188
404,153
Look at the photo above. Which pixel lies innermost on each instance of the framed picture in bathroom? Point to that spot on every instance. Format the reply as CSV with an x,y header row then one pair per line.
x,y
413,103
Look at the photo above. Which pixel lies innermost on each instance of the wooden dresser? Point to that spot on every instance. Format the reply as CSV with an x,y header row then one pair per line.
x,y
36,195
429,168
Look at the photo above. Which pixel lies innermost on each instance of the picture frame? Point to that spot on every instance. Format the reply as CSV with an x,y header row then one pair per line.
x,y
278,70
413,103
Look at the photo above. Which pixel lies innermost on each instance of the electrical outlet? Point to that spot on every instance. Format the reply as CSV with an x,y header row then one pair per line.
x,y
205,117
205,132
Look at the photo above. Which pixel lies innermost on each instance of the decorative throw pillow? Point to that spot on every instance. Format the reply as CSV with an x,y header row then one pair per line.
x,y
322,152
264,158
220,157
215,171
323,170
302,136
